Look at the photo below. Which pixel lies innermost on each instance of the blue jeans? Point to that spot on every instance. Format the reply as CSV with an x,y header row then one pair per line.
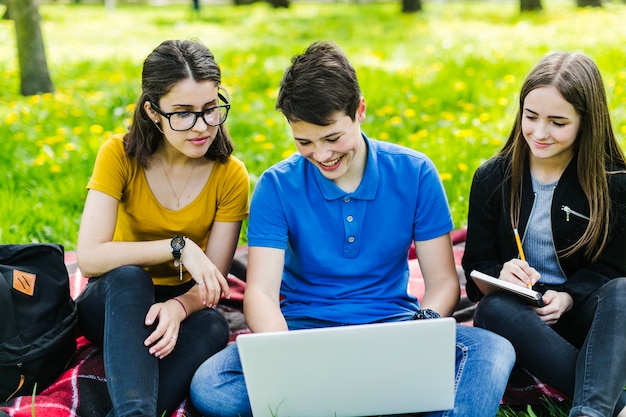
x,y
111,313
582,355
483,364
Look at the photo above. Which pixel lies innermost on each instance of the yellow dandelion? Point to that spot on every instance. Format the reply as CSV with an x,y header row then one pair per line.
x,y
396,120
483,117
410,113
259,138
96,129
414,137
51,140
623,129
270,122
446,115
463,133
462,167
55,168
268,146
77,130
40,160
445,176
509,79
130,107
426,117
503,101
383,136
286,153
11,118
70,146
460,86
119,130
468,107
422,133
33,100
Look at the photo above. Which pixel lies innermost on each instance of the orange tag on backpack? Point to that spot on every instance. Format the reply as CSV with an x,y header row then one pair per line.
x,y
24,282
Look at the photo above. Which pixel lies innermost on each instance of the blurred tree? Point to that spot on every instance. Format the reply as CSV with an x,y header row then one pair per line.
x,y
411,6
591,3
530,5
279,3
6,15
34,76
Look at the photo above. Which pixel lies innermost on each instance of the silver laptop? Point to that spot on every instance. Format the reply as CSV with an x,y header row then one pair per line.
x,y
364,370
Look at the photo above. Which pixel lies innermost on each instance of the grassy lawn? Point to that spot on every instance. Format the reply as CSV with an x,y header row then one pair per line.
x,y
444,82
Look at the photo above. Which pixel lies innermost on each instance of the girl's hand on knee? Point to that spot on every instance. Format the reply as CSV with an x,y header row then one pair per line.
x,y
162,340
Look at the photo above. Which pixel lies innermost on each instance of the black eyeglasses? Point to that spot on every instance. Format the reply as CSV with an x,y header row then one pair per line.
x,y
185,120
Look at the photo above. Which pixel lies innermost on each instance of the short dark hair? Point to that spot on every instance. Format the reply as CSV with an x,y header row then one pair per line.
x,y
169,63
319,83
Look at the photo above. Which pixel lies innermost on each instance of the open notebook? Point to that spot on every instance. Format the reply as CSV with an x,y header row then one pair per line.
x,y
363,370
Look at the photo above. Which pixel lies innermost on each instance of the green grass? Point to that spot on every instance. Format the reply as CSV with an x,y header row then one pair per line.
x,y
444,82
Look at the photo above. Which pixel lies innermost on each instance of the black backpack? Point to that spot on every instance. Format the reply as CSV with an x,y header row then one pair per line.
x,y
37,318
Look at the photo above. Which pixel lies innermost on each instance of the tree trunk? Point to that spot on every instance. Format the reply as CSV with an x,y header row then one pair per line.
x,y
7,13
34,75
530,5
279,3
411,6
590,3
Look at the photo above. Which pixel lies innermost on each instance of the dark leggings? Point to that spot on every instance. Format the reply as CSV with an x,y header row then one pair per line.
x,y
582,355
111,312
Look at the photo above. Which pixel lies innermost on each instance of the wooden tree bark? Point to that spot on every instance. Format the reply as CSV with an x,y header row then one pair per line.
x,y
7,13
590,3
411,6
279,3
530,5
34,75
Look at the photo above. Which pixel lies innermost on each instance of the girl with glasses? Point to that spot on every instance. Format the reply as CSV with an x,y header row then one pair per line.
x,y
159,230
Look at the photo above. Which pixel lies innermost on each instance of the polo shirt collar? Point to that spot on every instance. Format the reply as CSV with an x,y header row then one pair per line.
x,y
369,183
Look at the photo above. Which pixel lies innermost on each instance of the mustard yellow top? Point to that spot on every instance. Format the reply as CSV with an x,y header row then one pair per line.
x,y
141,217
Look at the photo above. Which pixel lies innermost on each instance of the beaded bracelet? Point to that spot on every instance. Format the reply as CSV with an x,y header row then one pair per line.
x,y
181,304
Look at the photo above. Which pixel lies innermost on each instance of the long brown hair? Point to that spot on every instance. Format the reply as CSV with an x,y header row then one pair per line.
x,y
578,80
171,62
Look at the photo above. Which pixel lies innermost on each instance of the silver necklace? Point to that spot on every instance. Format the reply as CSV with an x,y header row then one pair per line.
x,y
167,177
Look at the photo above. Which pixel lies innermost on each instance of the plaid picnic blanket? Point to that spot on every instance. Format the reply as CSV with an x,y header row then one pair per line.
x,y
81,390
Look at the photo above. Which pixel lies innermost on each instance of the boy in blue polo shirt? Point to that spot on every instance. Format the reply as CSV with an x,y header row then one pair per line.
x,y
329,232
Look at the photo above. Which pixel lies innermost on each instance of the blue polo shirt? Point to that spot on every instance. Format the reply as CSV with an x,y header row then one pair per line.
x,y
346,253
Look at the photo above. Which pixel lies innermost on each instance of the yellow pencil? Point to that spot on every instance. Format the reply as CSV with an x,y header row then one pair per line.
x,y
521,251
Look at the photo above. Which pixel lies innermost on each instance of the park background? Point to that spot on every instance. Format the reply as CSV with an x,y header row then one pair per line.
x,y
444,81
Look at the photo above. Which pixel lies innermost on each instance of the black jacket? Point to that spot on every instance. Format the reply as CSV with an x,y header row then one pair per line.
x,y
491,242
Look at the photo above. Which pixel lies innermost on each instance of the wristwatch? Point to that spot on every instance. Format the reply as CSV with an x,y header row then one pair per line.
x,y
177,244
426,314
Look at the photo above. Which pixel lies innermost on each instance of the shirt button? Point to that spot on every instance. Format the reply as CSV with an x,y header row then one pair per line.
x,y
346,200
351,239
349,218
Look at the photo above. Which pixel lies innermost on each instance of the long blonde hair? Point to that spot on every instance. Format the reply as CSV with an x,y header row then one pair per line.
x,y
577,78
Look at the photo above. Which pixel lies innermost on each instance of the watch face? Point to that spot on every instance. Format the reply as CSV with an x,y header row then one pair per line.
x,y
178,243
